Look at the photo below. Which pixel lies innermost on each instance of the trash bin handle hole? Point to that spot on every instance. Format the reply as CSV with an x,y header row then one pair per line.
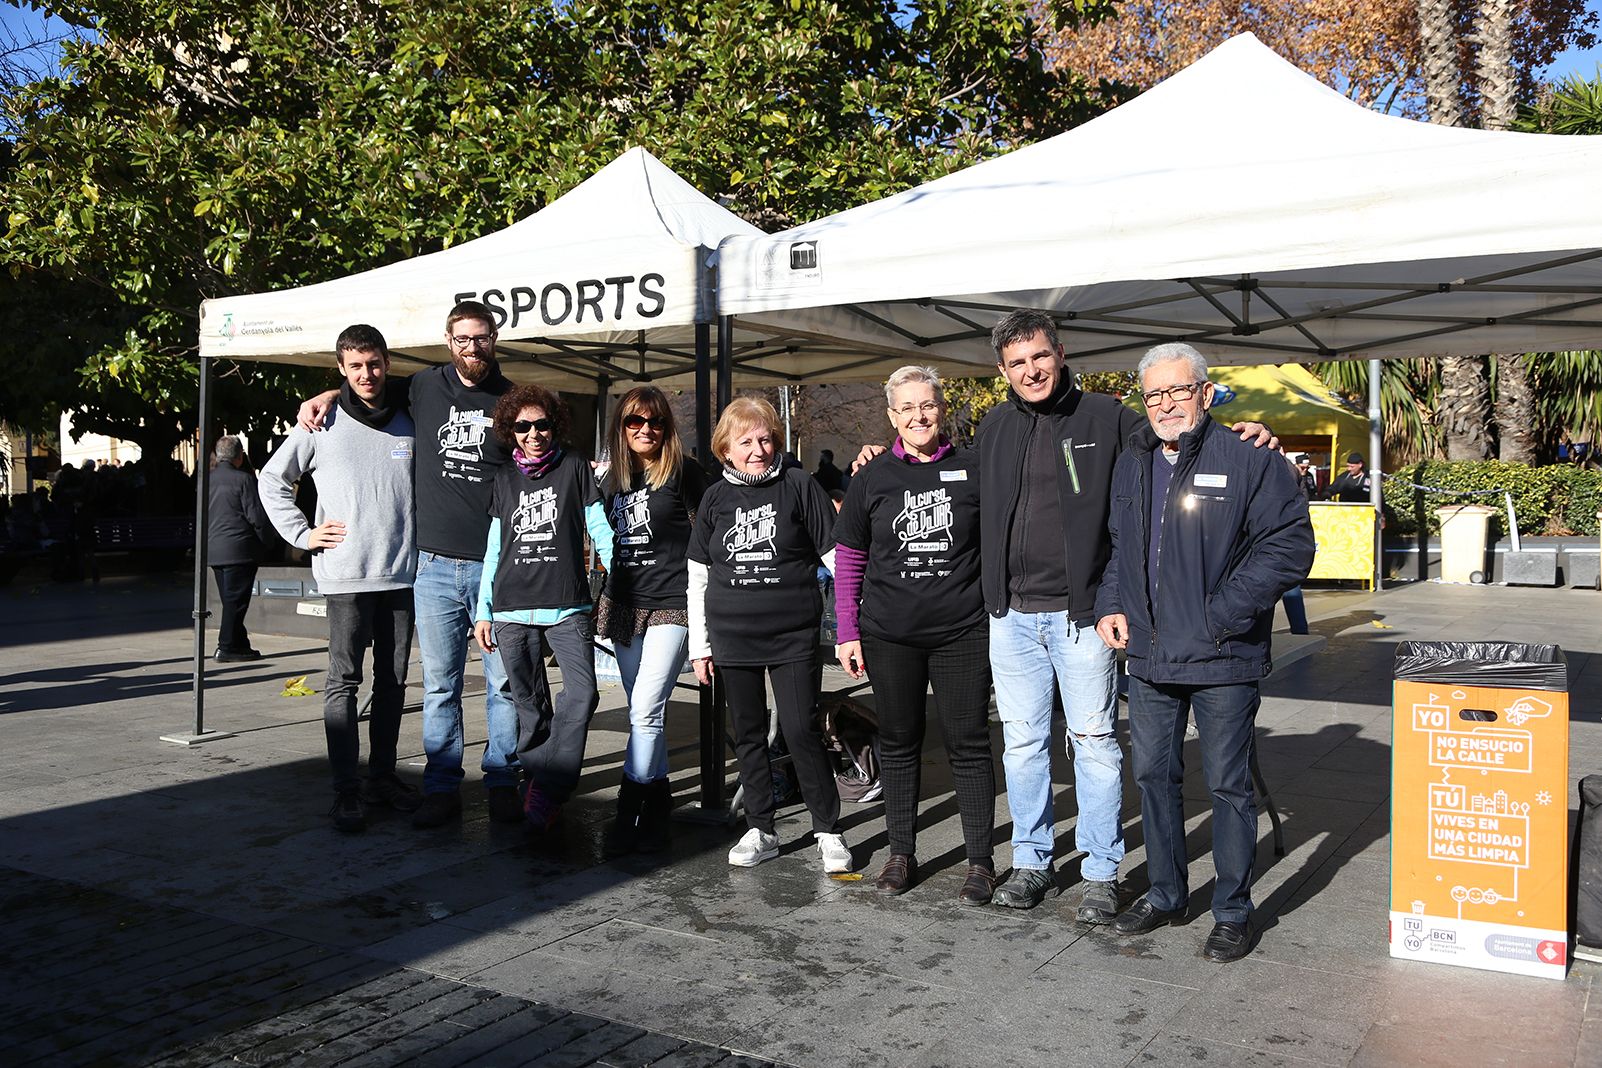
x,y
1477,715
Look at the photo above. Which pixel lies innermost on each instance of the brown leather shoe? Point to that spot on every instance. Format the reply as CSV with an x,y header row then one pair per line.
x,y
978,887
898,875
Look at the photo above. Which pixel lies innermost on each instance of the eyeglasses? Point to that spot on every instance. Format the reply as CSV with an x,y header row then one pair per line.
x,y
907,411
1177,393
635,421
477,341
523,426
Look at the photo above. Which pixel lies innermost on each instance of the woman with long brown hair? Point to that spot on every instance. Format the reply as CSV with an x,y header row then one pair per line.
x,y
651,496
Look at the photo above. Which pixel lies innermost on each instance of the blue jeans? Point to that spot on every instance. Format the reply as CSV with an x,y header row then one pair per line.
x,y
649,664
446,593
1029,653
1226,717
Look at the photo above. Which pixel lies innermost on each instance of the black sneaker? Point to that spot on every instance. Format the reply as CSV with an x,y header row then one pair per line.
x,y
505,806
1027,887
391,792
436,809
348,813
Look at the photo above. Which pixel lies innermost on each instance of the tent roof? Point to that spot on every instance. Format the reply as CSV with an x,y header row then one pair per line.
x,y
610,279
1240,205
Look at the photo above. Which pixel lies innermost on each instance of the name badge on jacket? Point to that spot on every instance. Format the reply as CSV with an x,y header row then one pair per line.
x,y
1212,481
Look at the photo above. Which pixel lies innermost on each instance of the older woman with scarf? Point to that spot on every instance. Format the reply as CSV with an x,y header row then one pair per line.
x,y
535,584
910,614
754,607
651,496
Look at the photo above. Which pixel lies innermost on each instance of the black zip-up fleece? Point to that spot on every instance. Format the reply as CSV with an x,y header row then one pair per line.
x,y
1092,429
1235,537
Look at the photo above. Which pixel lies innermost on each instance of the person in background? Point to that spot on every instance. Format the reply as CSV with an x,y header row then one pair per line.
x,y
238,533
1207,533
364,557
754,610
535,585
1306,480
911,616
651,494
1352,486
827,474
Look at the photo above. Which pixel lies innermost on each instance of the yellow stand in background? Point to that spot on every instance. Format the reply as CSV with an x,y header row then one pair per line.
x,y
1344,534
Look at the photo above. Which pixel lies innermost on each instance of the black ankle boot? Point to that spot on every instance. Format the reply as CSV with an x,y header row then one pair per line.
x,y
623,833
656,818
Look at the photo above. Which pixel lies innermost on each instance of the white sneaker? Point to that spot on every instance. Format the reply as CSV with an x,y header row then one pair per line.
x,y
754,848
835,853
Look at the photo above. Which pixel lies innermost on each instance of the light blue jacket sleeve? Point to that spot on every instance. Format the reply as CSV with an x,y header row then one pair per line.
x,y
600,532
492,561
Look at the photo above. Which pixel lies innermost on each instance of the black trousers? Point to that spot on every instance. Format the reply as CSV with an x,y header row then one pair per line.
x,y
551,735
233,591
959,671
795,692
382,619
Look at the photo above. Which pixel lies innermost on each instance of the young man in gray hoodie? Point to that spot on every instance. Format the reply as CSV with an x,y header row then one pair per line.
x,y
364,557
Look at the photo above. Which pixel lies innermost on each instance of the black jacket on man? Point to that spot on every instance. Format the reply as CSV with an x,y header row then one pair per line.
x,y
1085,433
1235,537
237,528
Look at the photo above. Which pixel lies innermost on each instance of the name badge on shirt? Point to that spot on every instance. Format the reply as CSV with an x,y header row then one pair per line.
x,y
953,476
480,419
401,452
1213,481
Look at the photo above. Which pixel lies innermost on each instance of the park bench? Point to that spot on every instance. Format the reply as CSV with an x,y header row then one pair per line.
x,y
166,537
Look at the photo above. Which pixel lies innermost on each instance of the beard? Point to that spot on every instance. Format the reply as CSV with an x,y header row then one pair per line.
x,y
473,371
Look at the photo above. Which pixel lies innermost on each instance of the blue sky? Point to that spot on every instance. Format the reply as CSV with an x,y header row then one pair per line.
x,y
1583,62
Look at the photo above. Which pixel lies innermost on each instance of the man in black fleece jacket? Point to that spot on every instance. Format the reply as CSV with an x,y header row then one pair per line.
x,y
1046,457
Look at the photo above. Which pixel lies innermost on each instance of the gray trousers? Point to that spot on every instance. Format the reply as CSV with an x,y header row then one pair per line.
x,y
551,735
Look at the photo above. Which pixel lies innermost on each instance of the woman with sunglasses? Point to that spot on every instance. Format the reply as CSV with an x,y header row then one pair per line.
x,y
535,584
651,496
909,612
754,609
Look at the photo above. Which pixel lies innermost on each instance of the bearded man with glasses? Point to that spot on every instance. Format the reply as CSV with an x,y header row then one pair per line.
x,y
458,456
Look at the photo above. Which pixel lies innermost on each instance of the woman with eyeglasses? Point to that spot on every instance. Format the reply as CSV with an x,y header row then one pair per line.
x,y
651,494
754,610
910,614
536,583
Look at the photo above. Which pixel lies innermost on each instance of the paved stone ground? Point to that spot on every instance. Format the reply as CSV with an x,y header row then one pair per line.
x,y
192,906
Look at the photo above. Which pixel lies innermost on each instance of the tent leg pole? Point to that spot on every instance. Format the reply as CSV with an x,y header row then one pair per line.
x,y
1376,457
202,491
725,361
703,392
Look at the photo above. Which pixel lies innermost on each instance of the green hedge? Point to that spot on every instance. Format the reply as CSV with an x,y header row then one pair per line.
x,y
1549,500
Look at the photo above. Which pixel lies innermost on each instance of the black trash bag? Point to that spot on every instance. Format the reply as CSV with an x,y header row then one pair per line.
x,y
1508,665
1587,861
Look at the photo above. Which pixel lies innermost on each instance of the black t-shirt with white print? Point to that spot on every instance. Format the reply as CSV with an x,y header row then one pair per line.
x,y
761,545
652,528
542,561
919,525
457,457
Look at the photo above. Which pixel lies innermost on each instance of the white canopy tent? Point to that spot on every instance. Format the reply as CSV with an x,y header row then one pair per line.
x,y
608,283
1241,206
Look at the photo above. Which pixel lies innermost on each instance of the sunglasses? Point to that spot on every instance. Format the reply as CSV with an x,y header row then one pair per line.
x,y
523,426
635,421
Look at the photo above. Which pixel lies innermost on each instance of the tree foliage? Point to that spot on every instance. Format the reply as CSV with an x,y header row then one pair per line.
x,y
198,149
1371,50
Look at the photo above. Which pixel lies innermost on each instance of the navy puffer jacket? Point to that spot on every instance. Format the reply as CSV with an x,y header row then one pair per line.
x,y
1235,538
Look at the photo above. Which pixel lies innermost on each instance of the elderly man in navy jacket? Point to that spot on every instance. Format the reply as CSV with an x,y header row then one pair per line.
x,y
1207,533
